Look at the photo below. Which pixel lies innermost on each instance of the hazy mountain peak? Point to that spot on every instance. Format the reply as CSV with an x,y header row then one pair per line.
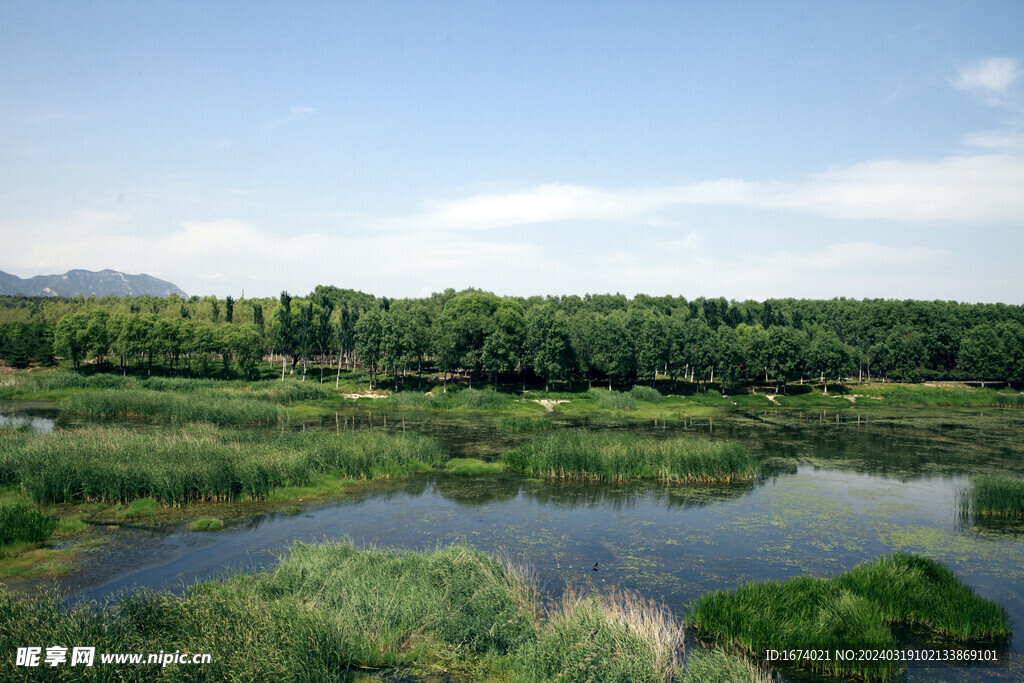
x,y
86,282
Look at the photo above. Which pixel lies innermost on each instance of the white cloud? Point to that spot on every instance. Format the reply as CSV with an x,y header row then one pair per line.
x,y
965,189
223,256
994,74
1010,141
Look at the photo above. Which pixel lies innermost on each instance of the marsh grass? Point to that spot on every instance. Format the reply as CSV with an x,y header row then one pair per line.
x,y
644,393
579,454
176,408
994,495
140,507
328,609
452,400
714,665
924,395
516,423
472,467
609,636
852,609
201,463
614,400
22,523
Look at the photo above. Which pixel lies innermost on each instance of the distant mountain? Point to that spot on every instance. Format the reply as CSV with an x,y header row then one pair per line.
x,y
86,282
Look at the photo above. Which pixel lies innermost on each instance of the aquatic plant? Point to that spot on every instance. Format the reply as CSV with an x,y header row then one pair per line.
x,y
578,454
207,524
516,423
334,607
993,495
852,609
611,636
22,523
116,465
218,408
714,665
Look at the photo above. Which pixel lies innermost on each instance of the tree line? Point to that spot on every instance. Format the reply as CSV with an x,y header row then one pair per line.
x,y
481,337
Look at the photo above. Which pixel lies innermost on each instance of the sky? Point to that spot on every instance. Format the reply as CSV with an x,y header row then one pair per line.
x,y
740,149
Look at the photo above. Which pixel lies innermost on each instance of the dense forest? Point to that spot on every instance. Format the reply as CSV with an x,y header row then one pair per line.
x,y
481,337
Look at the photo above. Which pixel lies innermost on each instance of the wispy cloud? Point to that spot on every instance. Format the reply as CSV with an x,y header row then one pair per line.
x,y
966,189
994,75
297,112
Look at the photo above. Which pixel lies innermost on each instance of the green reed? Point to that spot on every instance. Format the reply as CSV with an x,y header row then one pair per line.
x,y
579,454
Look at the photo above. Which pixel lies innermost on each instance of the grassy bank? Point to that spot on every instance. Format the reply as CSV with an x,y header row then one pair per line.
x,y
849,610
585,455
198,463
993,495
331,608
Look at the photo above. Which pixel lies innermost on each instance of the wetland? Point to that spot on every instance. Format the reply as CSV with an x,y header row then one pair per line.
x,y
832,490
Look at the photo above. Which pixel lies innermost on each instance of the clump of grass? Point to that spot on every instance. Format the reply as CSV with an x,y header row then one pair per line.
x,y
642,393
606,637
916,590
393,608
409,399
366,454
70,525
207,524
201,463
854,608
22,523
993,495
616,400
472,467
516,423
140,507
714,665
580,454
292,510
218,408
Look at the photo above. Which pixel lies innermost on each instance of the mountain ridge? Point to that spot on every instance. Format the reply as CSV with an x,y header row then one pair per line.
x,y
88,283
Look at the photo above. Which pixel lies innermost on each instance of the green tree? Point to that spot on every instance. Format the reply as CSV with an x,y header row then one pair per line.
x,y
828,356
982,354
70,339
369,333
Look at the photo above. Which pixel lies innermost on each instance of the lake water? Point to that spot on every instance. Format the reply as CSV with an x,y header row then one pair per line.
x,y
835,492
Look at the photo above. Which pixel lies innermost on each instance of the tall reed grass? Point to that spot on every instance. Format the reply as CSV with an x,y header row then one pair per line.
x,y
615,400
579,454
850,610
995,495
176,408
116,465
516,423
22,523
452,400
328,609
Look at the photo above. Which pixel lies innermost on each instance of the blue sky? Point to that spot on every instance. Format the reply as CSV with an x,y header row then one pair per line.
x,y
746,150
